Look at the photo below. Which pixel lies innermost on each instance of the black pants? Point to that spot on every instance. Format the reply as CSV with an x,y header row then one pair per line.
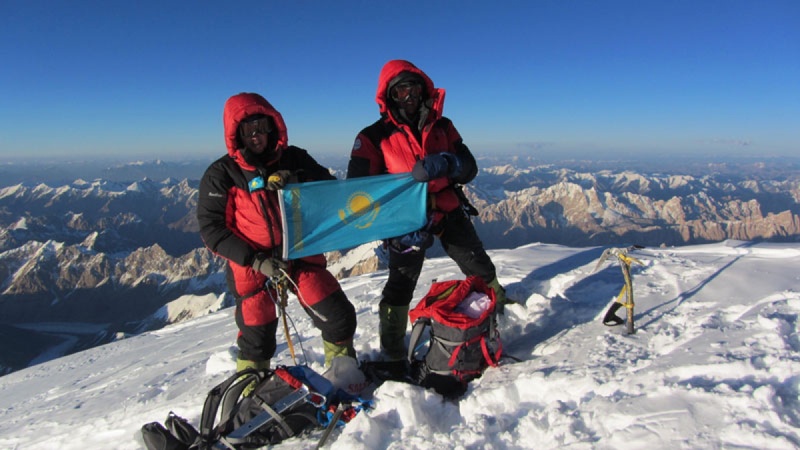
x,y
460,242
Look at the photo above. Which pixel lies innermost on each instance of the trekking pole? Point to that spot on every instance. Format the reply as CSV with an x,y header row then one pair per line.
x,y
625,297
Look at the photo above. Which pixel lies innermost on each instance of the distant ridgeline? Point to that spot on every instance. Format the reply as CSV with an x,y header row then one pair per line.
x,y
113,253
556,205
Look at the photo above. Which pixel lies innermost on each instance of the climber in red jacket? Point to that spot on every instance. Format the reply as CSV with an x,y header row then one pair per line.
x,y
240,220
413,136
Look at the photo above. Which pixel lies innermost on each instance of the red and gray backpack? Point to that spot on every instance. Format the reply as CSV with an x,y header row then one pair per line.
x,y
463,336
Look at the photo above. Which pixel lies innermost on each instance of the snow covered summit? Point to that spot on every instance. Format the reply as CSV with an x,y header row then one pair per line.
x,y
714,363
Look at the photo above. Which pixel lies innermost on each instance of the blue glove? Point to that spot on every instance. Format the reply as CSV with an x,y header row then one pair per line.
x,y
411,242
435,166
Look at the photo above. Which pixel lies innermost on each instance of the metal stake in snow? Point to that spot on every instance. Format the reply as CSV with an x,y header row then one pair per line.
x,y
625,297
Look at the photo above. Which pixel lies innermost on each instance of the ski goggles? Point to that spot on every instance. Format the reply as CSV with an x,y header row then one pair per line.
x,y
250,128
403,91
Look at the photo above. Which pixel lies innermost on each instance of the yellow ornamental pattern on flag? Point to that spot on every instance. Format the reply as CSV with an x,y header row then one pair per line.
x,y
361,210
298,220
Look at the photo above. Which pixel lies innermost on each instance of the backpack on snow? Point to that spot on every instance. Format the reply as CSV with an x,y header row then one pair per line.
x,y
463,337
284,403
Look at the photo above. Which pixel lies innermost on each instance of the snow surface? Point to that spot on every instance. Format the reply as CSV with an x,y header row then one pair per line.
x,y
715,363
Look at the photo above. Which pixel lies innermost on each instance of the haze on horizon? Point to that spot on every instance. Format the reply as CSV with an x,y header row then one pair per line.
x,y
581,78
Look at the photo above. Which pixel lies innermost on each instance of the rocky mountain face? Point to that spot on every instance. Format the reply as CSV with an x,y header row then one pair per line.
x,y
84,261
545,204
115,216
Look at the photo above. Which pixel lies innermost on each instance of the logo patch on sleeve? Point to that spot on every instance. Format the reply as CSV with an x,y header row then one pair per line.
x,y
256,184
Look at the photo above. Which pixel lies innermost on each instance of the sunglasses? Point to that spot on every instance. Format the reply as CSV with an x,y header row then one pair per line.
x,y
251,128
403,91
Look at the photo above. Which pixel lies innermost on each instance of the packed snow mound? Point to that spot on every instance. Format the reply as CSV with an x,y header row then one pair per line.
x,y
714,363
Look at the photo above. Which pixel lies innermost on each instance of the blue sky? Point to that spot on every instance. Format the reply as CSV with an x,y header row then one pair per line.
x,y
583,78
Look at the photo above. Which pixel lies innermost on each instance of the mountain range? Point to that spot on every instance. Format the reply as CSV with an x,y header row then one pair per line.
x,y
85,262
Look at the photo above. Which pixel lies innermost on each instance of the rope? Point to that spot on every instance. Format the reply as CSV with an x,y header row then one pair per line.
x,y
281,284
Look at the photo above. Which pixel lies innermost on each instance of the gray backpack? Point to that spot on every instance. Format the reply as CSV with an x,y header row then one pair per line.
x,y
463,338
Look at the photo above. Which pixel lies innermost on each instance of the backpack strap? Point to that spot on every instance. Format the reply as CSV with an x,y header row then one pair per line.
x,y
487,355
182,429
224,393
416,333
234,393
491,360
494,336
242,434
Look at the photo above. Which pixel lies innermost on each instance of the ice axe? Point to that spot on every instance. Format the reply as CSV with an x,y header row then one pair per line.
x,y
625,297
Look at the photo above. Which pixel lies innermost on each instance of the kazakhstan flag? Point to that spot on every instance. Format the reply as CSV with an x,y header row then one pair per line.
x,y
322,216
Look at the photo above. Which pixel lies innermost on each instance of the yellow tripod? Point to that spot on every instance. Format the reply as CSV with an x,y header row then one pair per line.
x,y
625,297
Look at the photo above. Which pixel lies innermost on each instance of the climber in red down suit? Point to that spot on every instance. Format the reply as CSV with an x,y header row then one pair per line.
x,y
240,220
412,135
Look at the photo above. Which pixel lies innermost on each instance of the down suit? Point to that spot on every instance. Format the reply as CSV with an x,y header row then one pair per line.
x,y
401,141
239,218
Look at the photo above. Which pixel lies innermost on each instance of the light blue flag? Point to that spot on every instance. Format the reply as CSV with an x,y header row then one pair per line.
x,y
322,216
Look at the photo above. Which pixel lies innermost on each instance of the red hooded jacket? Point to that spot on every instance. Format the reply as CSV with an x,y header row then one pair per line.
x,y
237,221
390,145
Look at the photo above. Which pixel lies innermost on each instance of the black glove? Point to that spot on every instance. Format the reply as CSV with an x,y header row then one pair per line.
x,y
279,179
267,265
437,165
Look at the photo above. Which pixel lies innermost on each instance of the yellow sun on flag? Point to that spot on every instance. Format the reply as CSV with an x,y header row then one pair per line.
x,y
359,203
360,207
